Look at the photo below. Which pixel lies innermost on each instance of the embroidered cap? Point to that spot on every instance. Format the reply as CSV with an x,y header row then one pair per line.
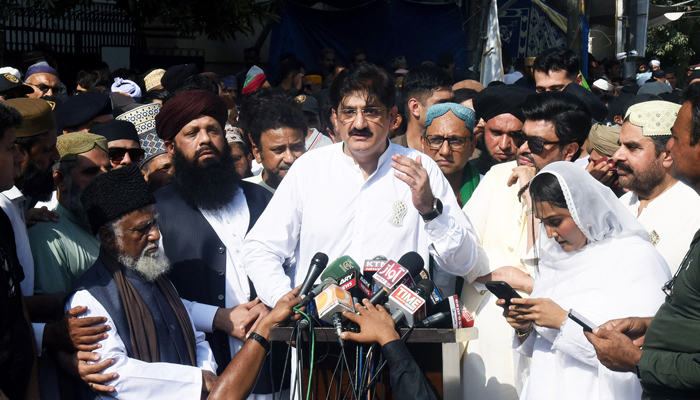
x,y
656,118
438,110
70,145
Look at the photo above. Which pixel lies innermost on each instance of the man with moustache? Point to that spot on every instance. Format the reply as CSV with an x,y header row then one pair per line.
x,y
362,197
205,213
663,350
556,126
669,210
157,351
500,109
65,249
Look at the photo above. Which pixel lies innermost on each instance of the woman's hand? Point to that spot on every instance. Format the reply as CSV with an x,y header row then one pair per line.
x,y
510,317
543,312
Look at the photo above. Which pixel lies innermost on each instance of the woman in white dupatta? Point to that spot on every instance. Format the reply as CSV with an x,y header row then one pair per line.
x,y
595,258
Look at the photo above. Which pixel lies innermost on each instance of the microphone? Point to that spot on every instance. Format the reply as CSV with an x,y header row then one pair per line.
x,y
330,275
436,296
331,303
394,274
372,266
318,264
355,284
424,289
449,315
406,305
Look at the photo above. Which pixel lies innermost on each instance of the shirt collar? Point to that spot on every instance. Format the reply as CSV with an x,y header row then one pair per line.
x,y
14,194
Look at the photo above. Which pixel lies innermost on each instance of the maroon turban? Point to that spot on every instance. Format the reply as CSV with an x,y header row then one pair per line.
x,y
187,106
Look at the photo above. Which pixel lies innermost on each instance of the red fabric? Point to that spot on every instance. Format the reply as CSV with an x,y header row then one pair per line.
x,y
255,84
187,106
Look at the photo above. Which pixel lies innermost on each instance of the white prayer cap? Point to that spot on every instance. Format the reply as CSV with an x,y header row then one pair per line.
x,y
656,118
602,84
655,63
12,71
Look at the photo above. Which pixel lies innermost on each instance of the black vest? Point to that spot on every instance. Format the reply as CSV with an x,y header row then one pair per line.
x,y
172,346
198,259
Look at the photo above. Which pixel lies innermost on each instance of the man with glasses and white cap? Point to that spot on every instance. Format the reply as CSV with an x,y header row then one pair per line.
x,y
556,126
449,140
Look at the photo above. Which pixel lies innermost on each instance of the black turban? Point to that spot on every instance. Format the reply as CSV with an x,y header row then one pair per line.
x,y
112,195
116,130
502,99
78,110
595,106
187,106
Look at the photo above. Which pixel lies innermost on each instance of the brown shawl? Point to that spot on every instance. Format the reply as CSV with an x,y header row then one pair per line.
x,y
142,331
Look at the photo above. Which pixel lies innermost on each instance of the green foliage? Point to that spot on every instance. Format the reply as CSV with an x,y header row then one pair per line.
x,y
674,41
217,19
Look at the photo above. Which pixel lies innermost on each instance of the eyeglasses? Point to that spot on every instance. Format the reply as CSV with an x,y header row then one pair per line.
x,y
45,88
116,154
455,142
535,144
369,113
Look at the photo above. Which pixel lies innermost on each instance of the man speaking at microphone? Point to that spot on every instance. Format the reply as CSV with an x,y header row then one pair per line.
x,y
362,197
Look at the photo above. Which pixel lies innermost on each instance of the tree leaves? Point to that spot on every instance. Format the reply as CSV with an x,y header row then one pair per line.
x,y
673,40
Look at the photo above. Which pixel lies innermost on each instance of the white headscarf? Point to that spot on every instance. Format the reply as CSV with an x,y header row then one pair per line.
x,y
617,274
617,258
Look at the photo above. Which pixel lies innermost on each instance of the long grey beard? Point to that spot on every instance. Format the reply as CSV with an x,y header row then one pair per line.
x,y
149,265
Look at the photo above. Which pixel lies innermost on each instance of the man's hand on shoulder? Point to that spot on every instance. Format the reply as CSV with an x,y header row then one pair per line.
x,y
73,333
42,214
415,176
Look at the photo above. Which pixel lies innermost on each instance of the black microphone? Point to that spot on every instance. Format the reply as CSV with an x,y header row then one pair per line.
x,y
318,264
355,283
446,314
424,289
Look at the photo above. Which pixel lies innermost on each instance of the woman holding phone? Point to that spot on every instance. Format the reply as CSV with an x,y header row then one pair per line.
x,y
593,257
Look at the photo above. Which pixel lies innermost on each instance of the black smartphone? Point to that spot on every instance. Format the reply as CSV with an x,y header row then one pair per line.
x,y
502,290
579,319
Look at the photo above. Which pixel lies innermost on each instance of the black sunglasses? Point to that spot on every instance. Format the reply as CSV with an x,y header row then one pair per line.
x,y
116,154
535,144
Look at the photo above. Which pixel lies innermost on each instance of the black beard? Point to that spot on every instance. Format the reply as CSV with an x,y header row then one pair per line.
x,y
36,184
209,186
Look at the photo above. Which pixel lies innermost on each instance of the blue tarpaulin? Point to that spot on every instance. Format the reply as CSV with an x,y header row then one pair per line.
x,y
383,29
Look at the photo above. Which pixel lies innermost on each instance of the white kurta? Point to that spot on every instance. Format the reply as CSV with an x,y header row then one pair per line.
x,y
230,225
141,380
499,220
325,205
671,220
12,202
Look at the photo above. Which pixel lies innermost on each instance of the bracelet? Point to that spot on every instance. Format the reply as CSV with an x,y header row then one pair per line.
x,y
526,332
528,212
260,339
523,189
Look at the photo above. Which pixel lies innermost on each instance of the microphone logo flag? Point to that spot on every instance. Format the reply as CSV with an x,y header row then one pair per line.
x,y
374,265
332,300
392,275
409,303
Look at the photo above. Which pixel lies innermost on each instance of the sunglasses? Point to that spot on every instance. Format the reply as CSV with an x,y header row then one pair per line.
x,y
116,154
535,144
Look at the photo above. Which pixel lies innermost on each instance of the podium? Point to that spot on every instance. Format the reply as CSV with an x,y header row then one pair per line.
x,y
451,342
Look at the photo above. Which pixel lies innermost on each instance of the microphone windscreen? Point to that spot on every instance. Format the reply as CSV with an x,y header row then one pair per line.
x,y
427,285
413,262
339,267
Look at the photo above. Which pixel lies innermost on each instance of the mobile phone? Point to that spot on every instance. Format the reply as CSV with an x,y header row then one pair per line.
x,y
502,290
581,320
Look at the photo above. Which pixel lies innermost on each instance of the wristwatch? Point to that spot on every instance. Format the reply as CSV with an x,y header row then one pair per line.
x,y
435,212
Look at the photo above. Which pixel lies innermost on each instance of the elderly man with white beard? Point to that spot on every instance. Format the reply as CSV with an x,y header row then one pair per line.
x,y
156,351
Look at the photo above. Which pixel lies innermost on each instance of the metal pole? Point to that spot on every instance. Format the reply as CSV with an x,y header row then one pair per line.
x,y
573,27
619,20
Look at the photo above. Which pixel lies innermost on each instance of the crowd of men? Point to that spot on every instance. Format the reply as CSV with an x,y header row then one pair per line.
x,y
154,226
